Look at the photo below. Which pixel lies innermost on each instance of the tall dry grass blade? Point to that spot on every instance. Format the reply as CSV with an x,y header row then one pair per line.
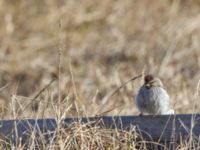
x,y
107,111
4,87
39,93
79,101
116,90
43,89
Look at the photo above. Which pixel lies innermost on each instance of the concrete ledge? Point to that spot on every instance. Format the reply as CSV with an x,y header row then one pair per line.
x,y
163,128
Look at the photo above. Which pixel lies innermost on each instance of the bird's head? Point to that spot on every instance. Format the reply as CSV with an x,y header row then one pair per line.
x,y
151,81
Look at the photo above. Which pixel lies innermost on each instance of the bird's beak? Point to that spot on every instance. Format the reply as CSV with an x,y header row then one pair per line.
x,y
147,85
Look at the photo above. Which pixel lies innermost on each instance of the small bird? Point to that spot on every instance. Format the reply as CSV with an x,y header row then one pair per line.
x,y
152,98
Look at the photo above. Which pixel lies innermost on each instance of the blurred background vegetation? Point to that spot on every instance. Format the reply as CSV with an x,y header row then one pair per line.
x,y
106,42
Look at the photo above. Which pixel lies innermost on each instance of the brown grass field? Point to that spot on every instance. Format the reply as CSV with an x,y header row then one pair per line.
x,y
90,48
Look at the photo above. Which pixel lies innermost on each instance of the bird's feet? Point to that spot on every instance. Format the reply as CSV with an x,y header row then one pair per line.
x,y
141,114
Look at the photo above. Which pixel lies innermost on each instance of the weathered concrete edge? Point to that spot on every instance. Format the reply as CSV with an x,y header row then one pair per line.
x,y
164,128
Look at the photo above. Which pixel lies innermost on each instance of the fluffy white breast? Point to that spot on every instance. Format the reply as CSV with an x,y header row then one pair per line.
x,y
154,100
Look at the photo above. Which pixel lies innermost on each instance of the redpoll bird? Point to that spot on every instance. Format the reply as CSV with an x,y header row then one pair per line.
x,y
152,98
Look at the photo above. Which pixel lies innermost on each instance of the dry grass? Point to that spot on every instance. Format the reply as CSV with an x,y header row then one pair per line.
x,y
106,43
